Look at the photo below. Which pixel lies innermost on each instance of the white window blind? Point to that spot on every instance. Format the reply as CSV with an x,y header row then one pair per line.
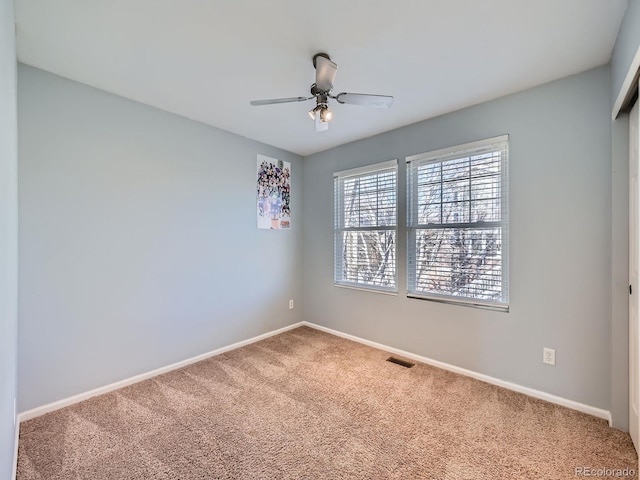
x,y
457,220
365,227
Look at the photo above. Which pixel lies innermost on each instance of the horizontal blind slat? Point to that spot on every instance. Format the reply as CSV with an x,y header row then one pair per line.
x,y
365,213
457,222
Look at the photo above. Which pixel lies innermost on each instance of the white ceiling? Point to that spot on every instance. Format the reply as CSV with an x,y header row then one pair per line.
x,y
205,59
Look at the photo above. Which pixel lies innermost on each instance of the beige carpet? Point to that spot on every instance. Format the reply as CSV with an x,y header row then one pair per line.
x,y
308,405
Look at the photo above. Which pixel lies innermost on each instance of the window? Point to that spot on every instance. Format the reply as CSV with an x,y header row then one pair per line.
x,y
365,227
457,224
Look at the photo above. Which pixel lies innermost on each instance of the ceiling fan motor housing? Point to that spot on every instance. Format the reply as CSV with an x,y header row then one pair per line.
x,y
315,91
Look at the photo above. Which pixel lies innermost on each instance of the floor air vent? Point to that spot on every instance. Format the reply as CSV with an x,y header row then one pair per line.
x,y
400,362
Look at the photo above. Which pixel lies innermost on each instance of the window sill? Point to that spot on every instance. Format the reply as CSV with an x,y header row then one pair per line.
x,y
461,302
365,289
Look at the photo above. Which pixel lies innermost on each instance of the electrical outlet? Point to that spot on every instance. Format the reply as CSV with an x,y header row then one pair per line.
x,y
290,304
549,356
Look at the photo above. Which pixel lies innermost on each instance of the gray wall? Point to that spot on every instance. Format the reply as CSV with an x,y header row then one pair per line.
x,y
560,205
138,240
8,237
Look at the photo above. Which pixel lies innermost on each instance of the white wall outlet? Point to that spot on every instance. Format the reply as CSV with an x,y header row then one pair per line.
x,y
290,304
549,356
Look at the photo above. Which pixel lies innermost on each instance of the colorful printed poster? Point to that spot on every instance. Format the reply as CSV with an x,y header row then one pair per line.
x,y
273,193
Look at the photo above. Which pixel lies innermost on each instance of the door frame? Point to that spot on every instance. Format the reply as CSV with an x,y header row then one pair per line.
x,y
619,393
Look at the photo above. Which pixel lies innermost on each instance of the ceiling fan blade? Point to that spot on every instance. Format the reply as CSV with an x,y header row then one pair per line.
x,y
271,101
325,73
380,101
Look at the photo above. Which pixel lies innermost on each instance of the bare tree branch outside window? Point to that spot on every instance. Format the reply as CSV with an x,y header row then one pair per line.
x,y
457,225
366,218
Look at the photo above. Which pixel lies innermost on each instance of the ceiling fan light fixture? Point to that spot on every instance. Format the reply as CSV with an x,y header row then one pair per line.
x,y
322,111
325,114
316,112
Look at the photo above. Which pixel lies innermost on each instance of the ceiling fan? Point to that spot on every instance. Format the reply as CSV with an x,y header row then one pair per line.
x,y
322,91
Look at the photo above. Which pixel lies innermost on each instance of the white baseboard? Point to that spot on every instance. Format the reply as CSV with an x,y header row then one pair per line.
x,y
596,412
581,407
16,429
50,407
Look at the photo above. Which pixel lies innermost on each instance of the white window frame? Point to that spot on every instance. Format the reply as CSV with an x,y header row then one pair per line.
x,y
500,143
340,228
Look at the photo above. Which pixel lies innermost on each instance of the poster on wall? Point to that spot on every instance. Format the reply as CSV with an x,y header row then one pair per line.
x,y
274,193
